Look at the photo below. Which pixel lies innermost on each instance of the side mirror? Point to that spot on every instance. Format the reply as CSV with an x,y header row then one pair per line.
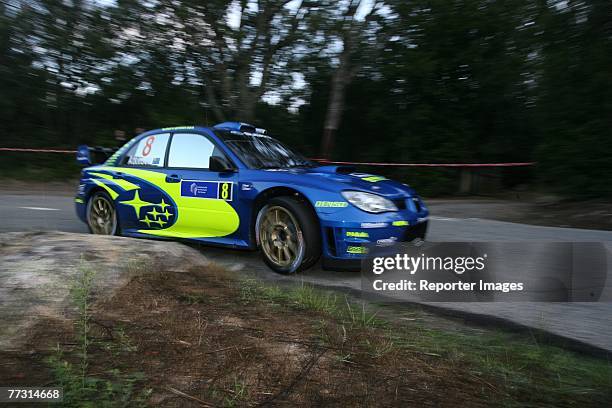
x,y
220,164
88,156
83,155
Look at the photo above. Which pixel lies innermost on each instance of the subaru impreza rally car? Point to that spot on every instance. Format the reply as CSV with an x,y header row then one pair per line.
x,y
232,185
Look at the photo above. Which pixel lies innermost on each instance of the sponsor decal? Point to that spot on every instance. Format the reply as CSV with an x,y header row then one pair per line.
x,y
357,250
331,204
178,128
402,223
369,177
374,179
198,189
152,214
158,218
216,190
79,200
150,151
373,224
357,234
387,241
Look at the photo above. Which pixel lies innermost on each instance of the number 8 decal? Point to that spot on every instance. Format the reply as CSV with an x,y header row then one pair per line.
x,y
225,191
148,145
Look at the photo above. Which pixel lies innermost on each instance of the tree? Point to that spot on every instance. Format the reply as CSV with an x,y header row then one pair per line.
x,y
352,34
236,53
574,104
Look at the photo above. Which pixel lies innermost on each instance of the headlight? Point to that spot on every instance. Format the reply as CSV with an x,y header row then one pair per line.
x,y
369,202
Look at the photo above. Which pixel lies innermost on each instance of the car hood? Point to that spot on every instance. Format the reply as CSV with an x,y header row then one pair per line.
x,y
347,178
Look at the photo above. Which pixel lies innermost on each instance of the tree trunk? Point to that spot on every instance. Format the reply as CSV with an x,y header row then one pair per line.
x,y
335,106
211,100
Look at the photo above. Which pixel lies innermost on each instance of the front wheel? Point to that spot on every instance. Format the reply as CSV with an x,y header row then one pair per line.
x,y
101,214
289,236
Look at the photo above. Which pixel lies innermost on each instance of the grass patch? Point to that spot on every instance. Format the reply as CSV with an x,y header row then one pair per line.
x,y
526,369
517,366
307,297
202,337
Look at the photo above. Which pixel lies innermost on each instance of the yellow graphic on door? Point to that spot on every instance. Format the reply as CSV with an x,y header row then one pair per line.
x,y
193,217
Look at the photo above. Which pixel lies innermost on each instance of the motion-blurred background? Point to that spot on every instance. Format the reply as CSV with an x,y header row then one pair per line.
x,y
423,81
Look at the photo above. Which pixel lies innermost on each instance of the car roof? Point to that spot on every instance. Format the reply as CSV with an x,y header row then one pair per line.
x,y
237,128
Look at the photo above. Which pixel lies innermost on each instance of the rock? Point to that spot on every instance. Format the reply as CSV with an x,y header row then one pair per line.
x,y
38,269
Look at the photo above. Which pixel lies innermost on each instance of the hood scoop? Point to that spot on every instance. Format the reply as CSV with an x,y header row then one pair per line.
x,y
335,169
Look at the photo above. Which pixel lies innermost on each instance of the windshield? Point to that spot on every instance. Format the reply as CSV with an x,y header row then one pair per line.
x,y
262,152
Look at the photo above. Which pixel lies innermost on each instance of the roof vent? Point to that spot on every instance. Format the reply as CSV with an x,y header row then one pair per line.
x,y
241,127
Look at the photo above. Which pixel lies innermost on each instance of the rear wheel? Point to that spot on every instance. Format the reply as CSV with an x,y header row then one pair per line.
x,y
101,214
288,233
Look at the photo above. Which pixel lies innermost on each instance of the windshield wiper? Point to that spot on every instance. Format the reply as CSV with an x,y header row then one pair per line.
x,y
286,166
302,165
268,167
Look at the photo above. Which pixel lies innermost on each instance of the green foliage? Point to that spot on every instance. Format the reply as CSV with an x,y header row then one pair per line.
x,y
433,81
115,390
305,296
575,101
80,388
81,293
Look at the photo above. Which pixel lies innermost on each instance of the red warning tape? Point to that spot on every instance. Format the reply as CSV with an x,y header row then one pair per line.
x,y
518,164
325,161
15,149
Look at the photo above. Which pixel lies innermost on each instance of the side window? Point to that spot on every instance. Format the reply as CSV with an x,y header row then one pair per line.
x,y
149,151
191,151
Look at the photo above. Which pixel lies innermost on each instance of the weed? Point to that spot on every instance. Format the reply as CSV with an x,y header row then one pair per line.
x,y
125,342
378,348
307,297
344,358
81,389
238,391
81,293
360,317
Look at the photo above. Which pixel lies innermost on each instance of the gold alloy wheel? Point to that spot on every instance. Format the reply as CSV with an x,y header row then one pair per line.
x,y
101,216
281,237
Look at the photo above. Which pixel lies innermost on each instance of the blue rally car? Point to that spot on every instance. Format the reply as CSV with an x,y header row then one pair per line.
x,y
232,185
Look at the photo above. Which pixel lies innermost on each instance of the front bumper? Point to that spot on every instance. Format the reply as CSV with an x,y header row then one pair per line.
x,y
347,254
348,232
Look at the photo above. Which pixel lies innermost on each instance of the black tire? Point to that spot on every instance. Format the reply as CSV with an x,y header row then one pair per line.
x,y
307,226
97,198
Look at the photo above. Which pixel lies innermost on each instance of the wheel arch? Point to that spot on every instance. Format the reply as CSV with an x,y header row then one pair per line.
x,y
91,191
266,195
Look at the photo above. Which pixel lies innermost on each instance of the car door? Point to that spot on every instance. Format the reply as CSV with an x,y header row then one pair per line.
x,y
136,184
204,199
